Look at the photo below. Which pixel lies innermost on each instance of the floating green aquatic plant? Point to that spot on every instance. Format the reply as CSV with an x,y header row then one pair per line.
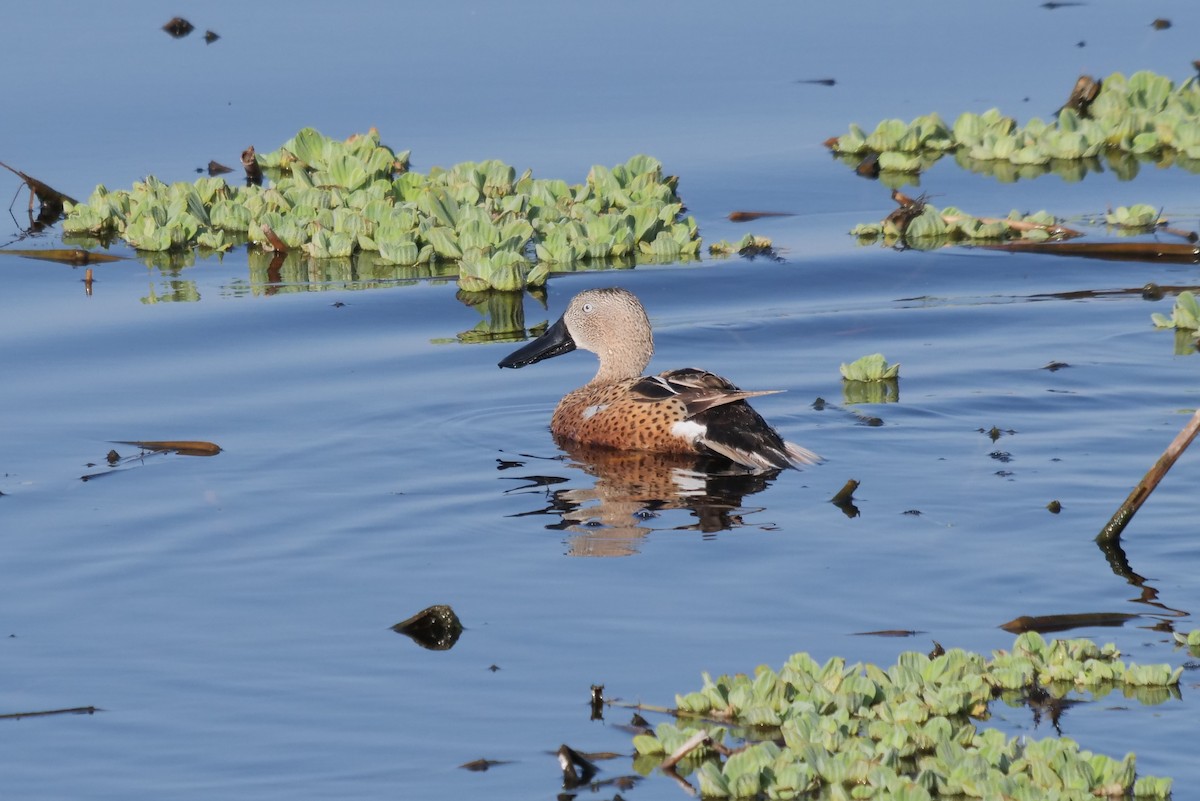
x,y
870,368
924,226
1138,216
337,199
750,246
861,731
1185,315
1144,115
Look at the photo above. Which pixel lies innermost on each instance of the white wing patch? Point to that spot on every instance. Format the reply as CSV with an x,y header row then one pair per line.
x,y
689,430
594,410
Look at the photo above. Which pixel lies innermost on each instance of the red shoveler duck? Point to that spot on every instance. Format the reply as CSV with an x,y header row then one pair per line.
x,y
677,411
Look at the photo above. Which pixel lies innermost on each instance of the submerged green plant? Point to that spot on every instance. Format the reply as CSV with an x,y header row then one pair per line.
x,y
1185,315
337,199
870,368
906,731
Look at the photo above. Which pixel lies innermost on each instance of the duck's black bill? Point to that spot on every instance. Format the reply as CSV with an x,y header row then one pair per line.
x,y
554,342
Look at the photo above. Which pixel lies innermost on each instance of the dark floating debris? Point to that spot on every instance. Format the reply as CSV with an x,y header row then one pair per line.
x,y
1053,5
178,27
184,447
846,494
210,37
480,765
1111,533
75,710
254,174
750,216
113,457
217,168
1160,24
73,256
1054,507
597,702
888,633
50,200
1054,367
1043,624
1084,92
818,81
937,650
576,769
436,628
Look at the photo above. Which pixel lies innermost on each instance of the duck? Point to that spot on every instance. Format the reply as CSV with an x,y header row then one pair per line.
x,y
687,410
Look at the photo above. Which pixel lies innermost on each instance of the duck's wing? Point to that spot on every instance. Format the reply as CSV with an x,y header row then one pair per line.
x,y
723,423
699,390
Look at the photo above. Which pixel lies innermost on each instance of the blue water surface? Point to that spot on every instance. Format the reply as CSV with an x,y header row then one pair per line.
x,y
230,614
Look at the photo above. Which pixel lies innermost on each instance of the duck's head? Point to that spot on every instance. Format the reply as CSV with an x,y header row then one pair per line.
x,y
609,322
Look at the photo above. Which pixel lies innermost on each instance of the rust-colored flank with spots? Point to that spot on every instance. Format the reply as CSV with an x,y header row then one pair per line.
x,y
677,411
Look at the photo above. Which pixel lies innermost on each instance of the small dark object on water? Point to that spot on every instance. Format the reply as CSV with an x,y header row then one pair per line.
x,y
88,278
1054,507
183,447
178,27
210,37
113,457
819,405
575,768
1081,43
912,512
337,304
1055,366
937,651
845,494
868,167
1084,92
493,668
254,174
748,216
1053,5
75,710
436,628
1043,624
597,702
887,633
819,81
1152,291
1161,24
217,168
480,765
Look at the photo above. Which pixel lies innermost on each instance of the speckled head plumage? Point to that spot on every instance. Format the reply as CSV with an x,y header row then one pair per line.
x,y
677,411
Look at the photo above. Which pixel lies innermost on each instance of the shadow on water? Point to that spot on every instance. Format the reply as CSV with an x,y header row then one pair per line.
x,y
632,489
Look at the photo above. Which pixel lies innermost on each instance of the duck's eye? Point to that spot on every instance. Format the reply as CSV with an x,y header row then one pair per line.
x,y
587,307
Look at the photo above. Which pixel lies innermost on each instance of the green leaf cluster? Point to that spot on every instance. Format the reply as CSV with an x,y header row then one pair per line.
x,y
934,228
1145,114
862,731
1185,315
1140,217
870,368
747,244
337,199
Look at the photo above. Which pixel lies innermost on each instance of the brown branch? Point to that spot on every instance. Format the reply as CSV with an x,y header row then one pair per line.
x,y
1112,530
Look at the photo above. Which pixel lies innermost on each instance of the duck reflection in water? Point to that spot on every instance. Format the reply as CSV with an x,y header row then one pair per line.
x,y
636,492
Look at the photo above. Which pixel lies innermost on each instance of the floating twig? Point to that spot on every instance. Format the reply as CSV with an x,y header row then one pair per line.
x,y
1116,524
75,710
1171,252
